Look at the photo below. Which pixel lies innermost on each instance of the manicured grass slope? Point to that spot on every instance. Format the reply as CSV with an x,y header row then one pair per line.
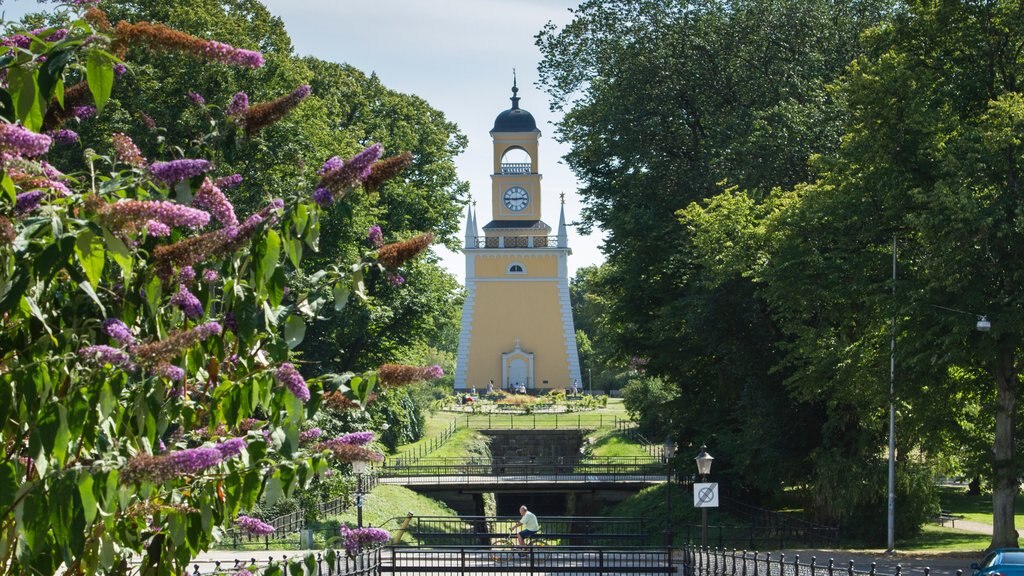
x,y
387,506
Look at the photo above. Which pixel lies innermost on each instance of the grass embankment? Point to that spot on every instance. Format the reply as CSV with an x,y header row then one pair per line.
x,y
386,507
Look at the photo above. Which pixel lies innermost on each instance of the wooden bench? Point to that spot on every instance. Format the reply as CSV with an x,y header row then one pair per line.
x,y
944,517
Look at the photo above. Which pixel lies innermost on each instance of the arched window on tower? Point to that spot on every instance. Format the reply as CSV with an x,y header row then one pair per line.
x,y
515,160
516,269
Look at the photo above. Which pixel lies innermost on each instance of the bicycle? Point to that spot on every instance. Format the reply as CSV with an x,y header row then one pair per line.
x,y
508,546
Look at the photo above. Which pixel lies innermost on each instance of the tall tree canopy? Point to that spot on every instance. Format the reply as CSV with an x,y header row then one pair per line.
x,y
665,103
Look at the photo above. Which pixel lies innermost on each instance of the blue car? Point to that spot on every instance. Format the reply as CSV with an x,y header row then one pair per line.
x,y
1001,562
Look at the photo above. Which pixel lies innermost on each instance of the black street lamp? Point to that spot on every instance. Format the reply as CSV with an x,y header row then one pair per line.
x,y
668,451
359,467
704,469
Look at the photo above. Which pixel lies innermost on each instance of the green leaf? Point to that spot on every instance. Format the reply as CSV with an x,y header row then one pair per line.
x,y
89,249
271,254
120,253
273,492
293,246
294,331
341,293
88,499
99,72
92,294
25,95
8,186
8,484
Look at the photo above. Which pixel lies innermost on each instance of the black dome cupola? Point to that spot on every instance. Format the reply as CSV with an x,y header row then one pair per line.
x,y
515,119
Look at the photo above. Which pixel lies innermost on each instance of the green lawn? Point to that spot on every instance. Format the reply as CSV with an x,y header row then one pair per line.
x,y
956,500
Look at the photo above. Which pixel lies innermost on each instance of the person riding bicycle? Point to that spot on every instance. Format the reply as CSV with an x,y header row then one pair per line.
x,y
529,524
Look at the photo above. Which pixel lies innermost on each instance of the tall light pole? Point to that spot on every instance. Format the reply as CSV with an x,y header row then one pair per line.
x,y
704,469
359,468
668,451
891,515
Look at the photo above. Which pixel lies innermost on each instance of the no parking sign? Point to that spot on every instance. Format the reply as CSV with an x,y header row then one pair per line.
x,y
705,495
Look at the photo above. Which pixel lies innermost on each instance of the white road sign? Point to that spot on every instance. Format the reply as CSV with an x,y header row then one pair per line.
x,y
705,495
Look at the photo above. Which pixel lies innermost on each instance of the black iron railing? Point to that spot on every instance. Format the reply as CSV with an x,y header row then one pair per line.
x,y
721,562
473,560
327,563
561,530
470,470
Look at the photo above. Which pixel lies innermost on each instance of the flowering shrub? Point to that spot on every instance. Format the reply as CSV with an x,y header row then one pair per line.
x,y
143,410
356,539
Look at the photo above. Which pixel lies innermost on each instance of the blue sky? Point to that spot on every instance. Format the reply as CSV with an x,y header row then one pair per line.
x,y
458,55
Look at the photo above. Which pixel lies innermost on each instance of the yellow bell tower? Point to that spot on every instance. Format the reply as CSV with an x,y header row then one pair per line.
x,y
517,327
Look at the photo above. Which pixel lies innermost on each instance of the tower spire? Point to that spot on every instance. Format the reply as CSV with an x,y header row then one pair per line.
x,y
515,91
563,235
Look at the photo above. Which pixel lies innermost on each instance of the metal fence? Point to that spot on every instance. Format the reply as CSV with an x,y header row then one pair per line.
x,y
538,421
720,562
474,560
561,530
328,563
448,467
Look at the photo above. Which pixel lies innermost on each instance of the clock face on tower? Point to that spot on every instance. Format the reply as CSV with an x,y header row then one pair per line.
x,y
516,198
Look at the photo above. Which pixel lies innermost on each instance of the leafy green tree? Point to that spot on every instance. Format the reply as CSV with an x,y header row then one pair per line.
x,y
930,155
667,103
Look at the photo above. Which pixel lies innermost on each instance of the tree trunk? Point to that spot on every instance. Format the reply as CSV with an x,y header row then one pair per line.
x,y
1004,469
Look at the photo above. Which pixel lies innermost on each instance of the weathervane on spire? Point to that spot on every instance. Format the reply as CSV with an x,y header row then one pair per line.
x,y
562,196
515,91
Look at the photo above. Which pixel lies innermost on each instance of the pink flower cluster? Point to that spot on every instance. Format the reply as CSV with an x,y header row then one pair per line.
x,y
335,181
287,374
19,141
358,538
221,52
175,171
210,197
128,214
126,151
254,526
107,355
310,435
187,303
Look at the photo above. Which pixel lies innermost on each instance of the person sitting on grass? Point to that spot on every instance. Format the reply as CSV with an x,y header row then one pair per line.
x,y
529,523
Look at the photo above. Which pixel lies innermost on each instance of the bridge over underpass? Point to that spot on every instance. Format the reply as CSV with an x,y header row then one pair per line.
x,y
495,475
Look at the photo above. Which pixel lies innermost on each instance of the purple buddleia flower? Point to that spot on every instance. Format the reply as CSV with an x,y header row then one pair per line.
x,y
124,212
287,374
210,276
332,163
230,322
210,197
395,279
239,105
435,371
323,197
119,331
310,435
204,331
226,182
21,142
107,355
83,112
64,137
351,173
197,98
187,302
17,41
160,446
187,275
119,70
157,229
175,171
254,526
358,538
221,52
169,371
193,460
27,202
231,447
355,438
375,236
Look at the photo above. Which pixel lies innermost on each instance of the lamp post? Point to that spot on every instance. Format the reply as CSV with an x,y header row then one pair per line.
x,y
704,469
359,467
668,451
